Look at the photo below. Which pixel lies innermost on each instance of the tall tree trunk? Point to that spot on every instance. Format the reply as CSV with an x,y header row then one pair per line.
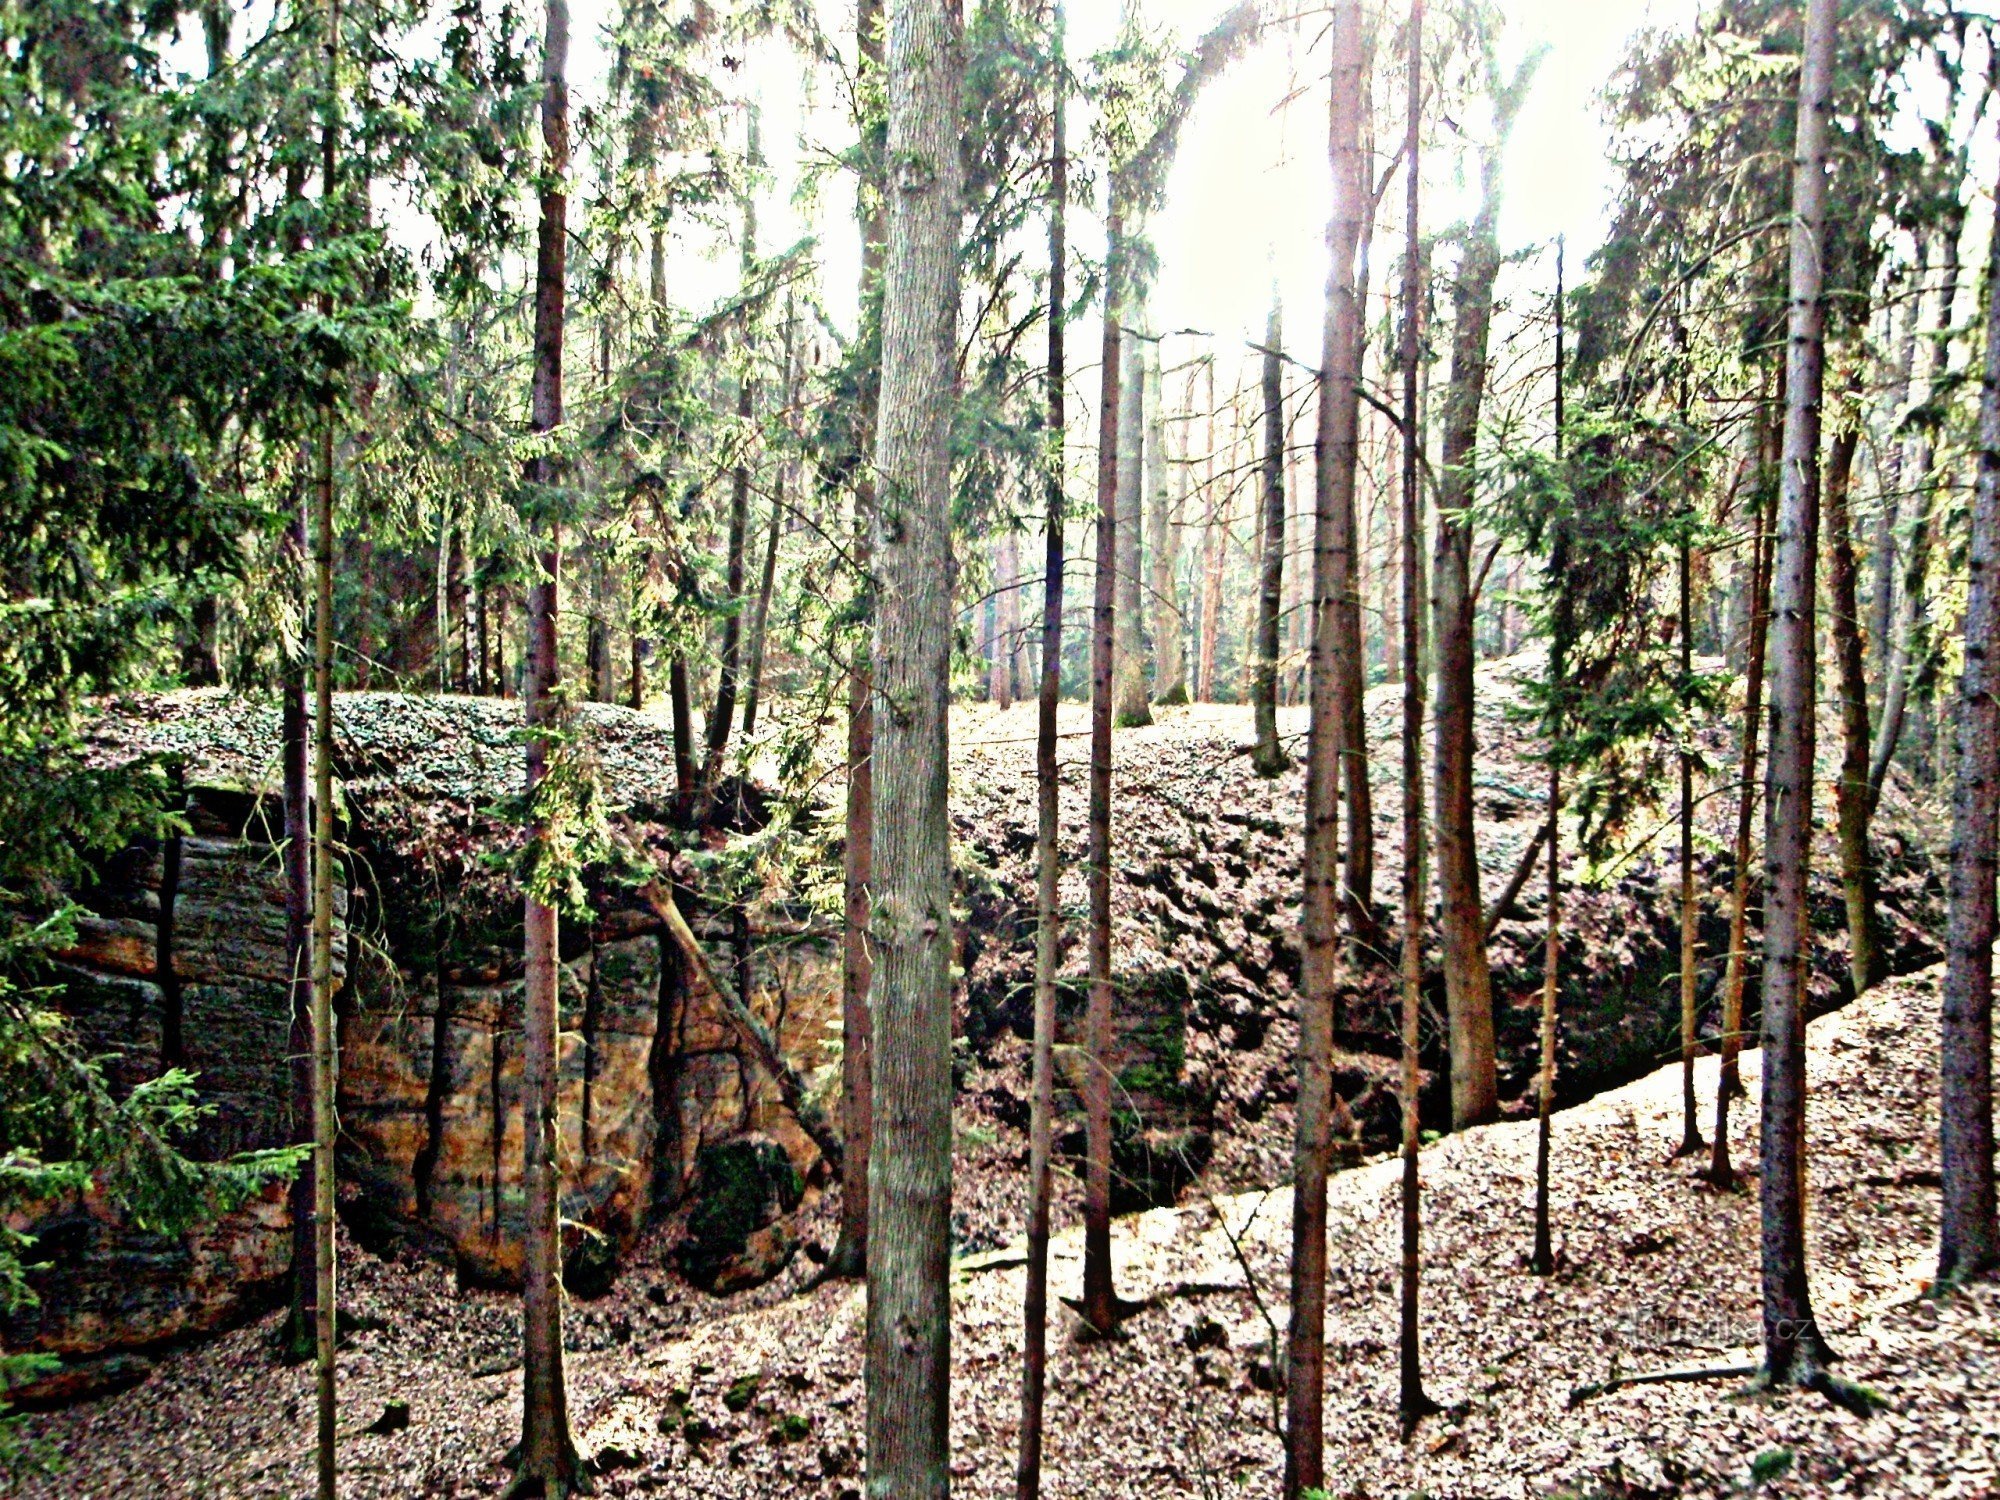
x,y
1007,617
1910,649
760,617
1891,469
635,661
1130,705
722,712
857,967
459,657
1048,829
760,621
295,752
1735,975
1882,564
850,1257
325,1043
364,619
1468,979
1319,1005
730,653
909,1291
597,641
294,737
1268,756
482,672
503,683
1336,463
1542,1260
1868,964
1298,547
1794,1350
201,654
1099,1299
1412,1403
1969,1236
1392,575
1163,546
1691,1142
680,702
1213,522
548,1459
679,697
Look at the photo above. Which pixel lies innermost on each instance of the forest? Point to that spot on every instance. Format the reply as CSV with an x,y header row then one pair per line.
x,y
1115,748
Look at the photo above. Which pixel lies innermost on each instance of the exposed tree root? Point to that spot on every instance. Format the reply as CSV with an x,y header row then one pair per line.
x,y
1677,1376
1847,1394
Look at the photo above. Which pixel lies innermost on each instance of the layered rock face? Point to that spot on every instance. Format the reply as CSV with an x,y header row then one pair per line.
x,y
650,1079
180,959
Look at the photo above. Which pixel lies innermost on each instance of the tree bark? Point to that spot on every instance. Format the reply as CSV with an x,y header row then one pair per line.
x,y
1163,545
730,653
1794,1350
850,1257
1729,1079
857,967
1131,707
1007,612
1691,1142
294,736
1969,1236
1475,1095
1413,1404
1542,1259
760,619
548,1461
909,1293
1868,964
1336,463
1910,649
1326,731
1268,757
325,1043
1048,830
1882,562
1100,1301
1213,522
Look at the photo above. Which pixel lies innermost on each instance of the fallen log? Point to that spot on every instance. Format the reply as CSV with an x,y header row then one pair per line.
x,y
752,1032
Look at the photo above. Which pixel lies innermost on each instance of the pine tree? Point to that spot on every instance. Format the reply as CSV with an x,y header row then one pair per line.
x,y
547,1461
1268,756
1333,558
325,1297
1468,977
1794,1350
1969,1235
1412,1403
850,1253
909,1299
1048,859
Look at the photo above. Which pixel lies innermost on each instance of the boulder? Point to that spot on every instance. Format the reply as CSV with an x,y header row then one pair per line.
x,y
739,1232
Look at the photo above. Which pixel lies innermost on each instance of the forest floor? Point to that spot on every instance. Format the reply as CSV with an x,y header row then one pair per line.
x,y
674,1393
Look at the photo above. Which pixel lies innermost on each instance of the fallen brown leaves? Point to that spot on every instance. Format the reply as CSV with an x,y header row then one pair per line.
x,y
1657,1270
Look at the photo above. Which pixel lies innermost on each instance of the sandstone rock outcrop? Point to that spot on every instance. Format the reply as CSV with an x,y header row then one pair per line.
x,y
180,957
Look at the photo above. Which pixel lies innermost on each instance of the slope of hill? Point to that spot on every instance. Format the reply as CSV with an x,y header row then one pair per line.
x,y
680,1394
